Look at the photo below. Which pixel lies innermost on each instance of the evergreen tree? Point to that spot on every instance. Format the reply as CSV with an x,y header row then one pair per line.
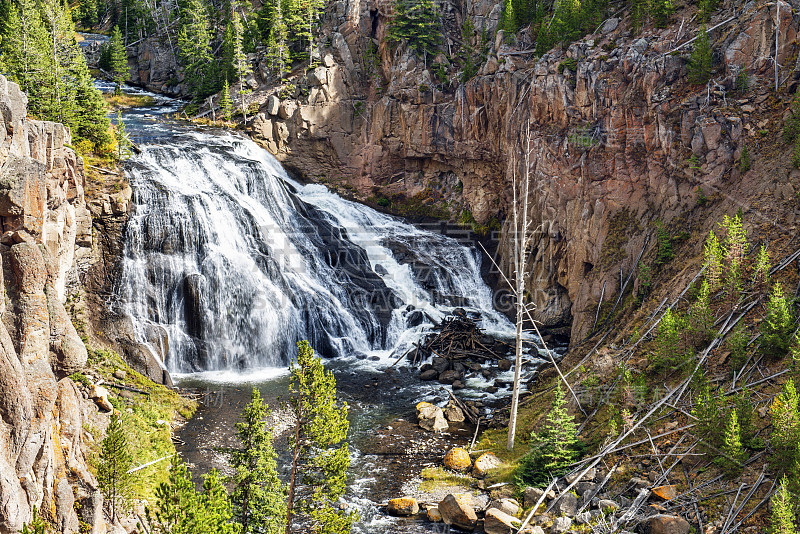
x,y
734,455
783,516
225,104
700,60
702,319
469,68
708,413
778,326
786,427
214,510
194,40
112,469
176,507
713,261
228,69
662,10
123,141
736,248
508,21
62,58
418,22
91,120
118,60
553,448
277,42
673,350
259,497
240,64
761,268
24,45
88,13
319,458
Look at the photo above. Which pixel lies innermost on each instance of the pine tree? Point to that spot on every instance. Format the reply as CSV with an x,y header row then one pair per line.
x,y
194,40
672,349
88,13
277,42
214,510
761,268
553,448
786,427
123,141
744,157
24,45
62,54
662,10
708,414
469,69
737,345
783,510
228,69
418,22
176,507
702,319
118,61
700,60
91,120
713,261
319,458
778,326
240,64
112,469
734,454
259,497
225,104
508,21
736,248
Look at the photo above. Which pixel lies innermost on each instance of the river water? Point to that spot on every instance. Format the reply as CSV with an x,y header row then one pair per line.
x,y
229,262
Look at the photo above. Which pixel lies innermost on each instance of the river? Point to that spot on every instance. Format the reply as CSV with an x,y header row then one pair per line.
x,y
229,261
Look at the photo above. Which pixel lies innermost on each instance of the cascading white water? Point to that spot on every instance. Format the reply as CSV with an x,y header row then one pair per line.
x,y
237,262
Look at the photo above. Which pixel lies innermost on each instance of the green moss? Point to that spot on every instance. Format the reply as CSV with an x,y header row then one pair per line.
x,y
482,230
427,204
621,225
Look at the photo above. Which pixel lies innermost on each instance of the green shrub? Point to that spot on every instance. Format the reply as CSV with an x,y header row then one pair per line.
x,y
744,160
700,60
737,345
673,350
708,412
664,253
734,455
786,427
761,268
783,510
713,254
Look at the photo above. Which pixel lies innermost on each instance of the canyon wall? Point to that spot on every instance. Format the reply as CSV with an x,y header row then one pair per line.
x,y
616,138
46,235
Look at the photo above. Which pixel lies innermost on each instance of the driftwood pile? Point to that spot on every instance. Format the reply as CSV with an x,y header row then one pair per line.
x,y
459,338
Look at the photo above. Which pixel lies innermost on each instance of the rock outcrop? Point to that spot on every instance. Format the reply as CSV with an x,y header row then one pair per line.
x,y
43,215
609,124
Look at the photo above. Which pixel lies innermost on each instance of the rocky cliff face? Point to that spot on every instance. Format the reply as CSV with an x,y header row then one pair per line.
x,y
616,137
46,230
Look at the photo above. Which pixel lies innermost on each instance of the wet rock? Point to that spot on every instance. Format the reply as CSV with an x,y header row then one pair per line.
x,y
458,384
664,524
486,462
457,459
499,522
433,514
430,374
440,364
449,376
453,413
414,318
504,365
431,417
403,506
457,511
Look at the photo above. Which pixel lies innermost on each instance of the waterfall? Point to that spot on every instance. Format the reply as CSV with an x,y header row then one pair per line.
x,y
236,262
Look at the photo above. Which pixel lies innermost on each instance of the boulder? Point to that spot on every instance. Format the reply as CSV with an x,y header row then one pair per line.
x,y
664,524
666,492
457,459
99,395
457,511
120,374
504,365
453,413
433,514
561,525
403,506
273,105
485,462
566,505
508,506
440,364
499,522
532,495
449,377
428,375
431,417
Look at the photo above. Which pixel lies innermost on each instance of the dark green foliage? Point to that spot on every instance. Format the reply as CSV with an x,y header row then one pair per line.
x,y
552,449
742,80
737,345
708,412
508,21
91,121
796,153
225,104
778,326
661,11
176,510
417,22
87,13
320,457
214,508
701,319
791,128
194,40
645,282
115,462
664,252
118,59
104,61
673,348
701,58
467,52
744,160
747,416
258,497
